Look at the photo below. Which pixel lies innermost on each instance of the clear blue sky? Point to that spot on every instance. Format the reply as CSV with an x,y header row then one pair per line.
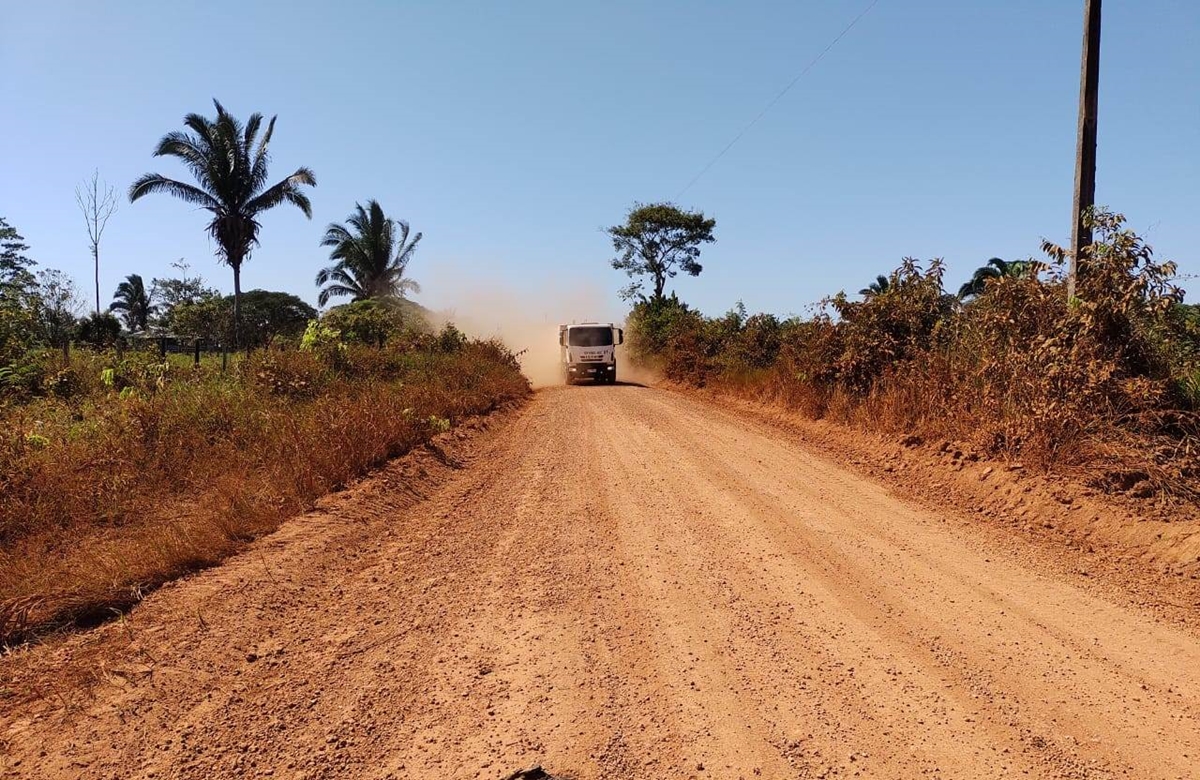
x,y
511,132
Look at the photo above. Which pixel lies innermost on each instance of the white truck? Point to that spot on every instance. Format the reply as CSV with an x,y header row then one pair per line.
x,y
588,350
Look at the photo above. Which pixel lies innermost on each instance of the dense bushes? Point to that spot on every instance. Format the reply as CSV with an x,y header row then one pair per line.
x,y
669,335
1108,379
133,469
374,321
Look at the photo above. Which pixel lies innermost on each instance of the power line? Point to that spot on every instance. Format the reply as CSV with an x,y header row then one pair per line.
x,y
777,98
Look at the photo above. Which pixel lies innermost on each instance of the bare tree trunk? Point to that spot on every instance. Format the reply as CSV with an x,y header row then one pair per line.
x,y
96,258
97,202
237,306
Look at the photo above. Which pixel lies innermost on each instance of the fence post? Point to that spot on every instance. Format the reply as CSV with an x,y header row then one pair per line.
x,y
196,362
224,357
67,351
162,346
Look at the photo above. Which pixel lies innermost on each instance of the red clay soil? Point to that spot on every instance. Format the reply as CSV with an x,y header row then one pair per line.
x,y
624,582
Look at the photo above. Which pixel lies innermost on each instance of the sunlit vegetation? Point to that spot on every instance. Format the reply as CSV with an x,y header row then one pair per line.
x,y
158,436
1107,383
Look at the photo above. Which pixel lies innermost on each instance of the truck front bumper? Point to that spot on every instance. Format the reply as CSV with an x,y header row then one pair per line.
x,y
591,370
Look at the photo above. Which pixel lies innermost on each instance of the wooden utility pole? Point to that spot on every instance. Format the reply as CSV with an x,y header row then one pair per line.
x,y
1085,150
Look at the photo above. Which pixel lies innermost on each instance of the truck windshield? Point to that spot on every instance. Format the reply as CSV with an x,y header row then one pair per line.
x,y
590,337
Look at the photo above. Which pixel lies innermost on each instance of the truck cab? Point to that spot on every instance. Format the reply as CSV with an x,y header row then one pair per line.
x,y
588,350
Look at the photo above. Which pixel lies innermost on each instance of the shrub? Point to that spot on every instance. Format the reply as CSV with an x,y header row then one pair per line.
x,y
451,339
366,322
290,373
650,326
1018,369
893,326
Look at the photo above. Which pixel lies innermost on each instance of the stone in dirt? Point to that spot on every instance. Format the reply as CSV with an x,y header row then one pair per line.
x,y
532,773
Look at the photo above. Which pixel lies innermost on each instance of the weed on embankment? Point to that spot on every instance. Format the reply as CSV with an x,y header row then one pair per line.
x,y
124,472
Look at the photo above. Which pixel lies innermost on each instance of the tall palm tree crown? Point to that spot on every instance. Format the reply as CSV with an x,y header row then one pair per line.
x,y
878,287
133,302
229,163
371,253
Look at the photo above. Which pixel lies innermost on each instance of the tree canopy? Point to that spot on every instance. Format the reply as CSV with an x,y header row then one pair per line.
x,y
371,252
133,302
14,263
657,241
229,164
266,315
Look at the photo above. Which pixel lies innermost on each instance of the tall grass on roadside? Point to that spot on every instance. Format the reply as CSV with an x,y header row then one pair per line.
x,y
133,471
1105,383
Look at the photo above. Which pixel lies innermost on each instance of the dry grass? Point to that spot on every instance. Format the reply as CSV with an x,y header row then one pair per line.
x,y
126,480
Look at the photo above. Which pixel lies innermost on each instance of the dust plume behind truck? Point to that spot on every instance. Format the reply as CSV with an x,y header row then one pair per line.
x,y
588,350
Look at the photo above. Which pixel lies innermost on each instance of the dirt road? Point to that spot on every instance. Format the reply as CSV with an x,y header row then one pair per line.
x,y
617,582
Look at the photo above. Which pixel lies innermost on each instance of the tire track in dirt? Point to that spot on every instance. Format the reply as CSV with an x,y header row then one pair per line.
x,y
616,582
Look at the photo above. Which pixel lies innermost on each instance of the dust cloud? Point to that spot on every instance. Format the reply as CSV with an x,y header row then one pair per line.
x,y
526,320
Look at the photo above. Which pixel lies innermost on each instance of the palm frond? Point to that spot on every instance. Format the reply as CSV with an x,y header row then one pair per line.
x,y
336,291
155,182
201,126
363,248
286,191
258,171
335,234
337,274
407,248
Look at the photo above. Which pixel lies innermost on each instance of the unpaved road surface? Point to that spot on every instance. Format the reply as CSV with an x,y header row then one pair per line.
x,y
616,582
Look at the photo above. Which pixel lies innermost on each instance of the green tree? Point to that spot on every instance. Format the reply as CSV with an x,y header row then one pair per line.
x,y
369,321
207,319
996,268
133,302
18,326
270,315
659,240
59,304
14,264
18,296
229,163
371,253
170,292
266,315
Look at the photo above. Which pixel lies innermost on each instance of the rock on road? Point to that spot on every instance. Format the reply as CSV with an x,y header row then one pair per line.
x,y
615,582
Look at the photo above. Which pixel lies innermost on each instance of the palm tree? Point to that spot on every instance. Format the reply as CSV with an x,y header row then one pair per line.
x,y
995,268
370,253
229,163
132,300
878,287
